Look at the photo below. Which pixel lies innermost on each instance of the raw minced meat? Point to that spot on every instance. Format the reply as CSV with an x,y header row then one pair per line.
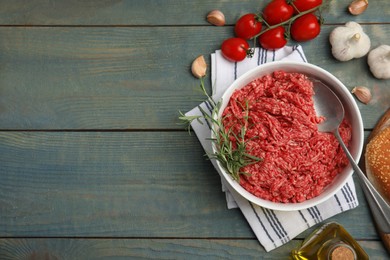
x,y
281,128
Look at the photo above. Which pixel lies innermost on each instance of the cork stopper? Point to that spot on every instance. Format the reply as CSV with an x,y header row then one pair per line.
x,y
342,251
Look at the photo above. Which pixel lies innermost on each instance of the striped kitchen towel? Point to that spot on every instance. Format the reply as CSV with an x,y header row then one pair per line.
x,y
272,228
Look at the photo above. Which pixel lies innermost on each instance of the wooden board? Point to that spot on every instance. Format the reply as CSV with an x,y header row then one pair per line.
x,y
131,78
161,12
106,184
93,164
140,248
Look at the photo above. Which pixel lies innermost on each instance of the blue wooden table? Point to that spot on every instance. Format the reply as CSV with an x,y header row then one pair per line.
x,y
93,164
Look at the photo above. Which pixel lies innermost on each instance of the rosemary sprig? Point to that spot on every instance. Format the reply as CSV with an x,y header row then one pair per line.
x,y
233,157
187,120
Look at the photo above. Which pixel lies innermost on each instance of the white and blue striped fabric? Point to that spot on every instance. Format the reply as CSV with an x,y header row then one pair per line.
x,y
272,228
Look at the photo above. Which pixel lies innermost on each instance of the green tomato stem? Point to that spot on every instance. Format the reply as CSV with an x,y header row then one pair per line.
x,y
289,21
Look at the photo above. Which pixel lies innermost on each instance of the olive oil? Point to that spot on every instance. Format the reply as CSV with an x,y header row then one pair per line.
x,y
332,242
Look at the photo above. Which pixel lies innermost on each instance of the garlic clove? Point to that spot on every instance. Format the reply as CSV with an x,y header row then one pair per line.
x,y
199,67
216,17
362,93
358,6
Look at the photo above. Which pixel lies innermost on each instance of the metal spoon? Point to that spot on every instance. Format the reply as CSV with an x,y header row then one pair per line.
x,y
327,104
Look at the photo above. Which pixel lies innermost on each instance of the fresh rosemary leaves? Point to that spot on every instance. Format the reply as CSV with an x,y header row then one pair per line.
x,y
232,157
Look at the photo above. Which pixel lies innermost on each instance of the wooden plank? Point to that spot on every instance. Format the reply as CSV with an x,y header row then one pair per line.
x,y
123,184
109,184
132,78
163,12
51,249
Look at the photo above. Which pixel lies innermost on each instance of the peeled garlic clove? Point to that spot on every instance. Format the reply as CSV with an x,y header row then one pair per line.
x,y
216,17
199,67
358,6
362,93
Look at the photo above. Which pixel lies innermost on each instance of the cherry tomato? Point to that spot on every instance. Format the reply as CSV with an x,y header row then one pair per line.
x,y
305,28
277,11
273,39
304,5
247,26
235,49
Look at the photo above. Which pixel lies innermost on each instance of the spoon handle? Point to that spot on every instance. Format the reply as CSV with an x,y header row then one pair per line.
x,y
379,207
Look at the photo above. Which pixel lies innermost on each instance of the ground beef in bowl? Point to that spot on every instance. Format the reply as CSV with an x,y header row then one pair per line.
x,y
281,128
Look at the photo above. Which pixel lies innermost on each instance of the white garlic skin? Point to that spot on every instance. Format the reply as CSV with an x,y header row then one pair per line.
x,y
349,42
378,60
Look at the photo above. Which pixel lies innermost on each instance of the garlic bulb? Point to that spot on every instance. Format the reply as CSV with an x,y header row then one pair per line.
x,y
349,42
379,61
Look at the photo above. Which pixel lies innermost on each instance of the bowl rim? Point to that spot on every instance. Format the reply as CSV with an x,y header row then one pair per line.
x,y
318,73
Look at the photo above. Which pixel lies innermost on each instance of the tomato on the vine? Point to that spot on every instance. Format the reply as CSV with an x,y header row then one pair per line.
x,y
235,49
305,28
277,11
247,26
304,5
273,39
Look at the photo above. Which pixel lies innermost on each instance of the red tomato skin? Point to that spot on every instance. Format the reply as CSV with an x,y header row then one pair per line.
x,y
304,5
277,11
234,49
305,28
247,26
273,39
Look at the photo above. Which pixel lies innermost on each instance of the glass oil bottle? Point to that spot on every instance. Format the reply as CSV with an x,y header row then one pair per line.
x,y
330,242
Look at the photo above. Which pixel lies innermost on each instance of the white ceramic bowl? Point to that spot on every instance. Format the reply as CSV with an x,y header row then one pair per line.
x,y
352,113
